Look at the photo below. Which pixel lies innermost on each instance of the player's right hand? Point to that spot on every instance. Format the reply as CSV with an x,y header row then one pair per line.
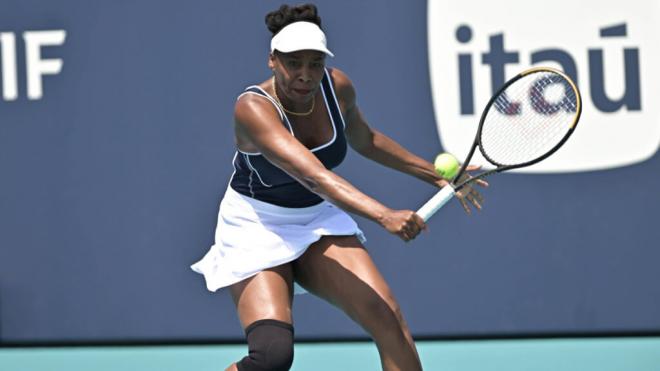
x,y
469,196
404,223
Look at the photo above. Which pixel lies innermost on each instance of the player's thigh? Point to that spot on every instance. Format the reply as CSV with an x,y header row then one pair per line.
x,y
340,270
267,295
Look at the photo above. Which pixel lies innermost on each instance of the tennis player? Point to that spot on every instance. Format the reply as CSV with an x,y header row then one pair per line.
x,y
283,218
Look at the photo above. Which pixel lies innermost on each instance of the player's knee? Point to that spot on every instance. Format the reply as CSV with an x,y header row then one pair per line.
x,y
270,344
384,316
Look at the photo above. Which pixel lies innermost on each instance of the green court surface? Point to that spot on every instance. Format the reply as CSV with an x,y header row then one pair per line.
x,y
589,354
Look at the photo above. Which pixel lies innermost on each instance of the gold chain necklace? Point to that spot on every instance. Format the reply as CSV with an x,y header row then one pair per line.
x,y
286,110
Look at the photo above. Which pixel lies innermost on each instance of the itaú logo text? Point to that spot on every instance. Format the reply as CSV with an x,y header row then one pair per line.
x,y
497,57
611,55
35,65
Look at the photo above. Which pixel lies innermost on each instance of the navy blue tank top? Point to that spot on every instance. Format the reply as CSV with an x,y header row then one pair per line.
x,y
254,176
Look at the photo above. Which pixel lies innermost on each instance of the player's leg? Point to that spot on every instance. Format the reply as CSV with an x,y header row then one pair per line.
x,y
263,303
339,270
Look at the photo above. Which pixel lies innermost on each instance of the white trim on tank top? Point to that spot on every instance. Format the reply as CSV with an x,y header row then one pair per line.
x,y
332,89
327,108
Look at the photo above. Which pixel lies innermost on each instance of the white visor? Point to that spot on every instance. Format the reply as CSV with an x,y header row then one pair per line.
x,y
300,36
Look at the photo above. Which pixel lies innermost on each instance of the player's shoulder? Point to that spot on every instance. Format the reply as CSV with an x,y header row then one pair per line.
x,y
339,78
343,85
250,104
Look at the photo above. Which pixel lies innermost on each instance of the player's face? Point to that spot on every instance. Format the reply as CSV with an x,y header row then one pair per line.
x,y
298,74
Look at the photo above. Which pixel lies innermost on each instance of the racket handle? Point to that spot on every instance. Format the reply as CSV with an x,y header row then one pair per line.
x,y
436,202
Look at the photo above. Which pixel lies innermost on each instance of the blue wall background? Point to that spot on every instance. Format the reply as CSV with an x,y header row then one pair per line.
x,y
109,188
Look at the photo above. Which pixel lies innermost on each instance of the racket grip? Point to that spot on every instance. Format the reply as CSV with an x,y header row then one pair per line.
x,y
436,202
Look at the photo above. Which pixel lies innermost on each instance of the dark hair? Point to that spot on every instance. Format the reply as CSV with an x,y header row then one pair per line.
x,y
285,15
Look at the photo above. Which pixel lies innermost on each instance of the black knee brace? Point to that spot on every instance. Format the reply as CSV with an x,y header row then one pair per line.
x,y
270,345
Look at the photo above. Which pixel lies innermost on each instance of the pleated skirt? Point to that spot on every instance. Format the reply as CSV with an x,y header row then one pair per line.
x,y
253,235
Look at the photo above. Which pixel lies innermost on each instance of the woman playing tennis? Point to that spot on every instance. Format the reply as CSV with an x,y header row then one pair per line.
x,y
283,218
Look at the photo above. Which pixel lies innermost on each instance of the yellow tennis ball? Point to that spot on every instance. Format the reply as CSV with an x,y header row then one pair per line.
x,y
446,165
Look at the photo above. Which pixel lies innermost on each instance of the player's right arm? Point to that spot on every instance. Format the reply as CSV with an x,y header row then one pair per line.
x,y
257,124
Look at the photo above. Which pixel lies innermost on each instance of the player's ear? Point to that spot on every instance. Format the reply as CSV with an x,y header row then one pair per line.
x,y
271,61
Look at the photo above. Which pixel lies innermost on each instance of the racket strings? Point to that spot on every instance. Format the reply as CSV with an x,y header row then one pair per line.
x,y
529,118
515,144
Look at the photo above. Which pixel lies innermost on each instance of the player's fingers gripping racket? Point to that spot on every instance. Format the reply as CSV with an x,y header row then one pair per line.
x,y
526,121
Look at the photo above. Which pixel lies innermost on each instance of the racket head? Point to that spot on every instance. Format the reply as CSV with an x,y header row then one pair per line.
x,y
508,137
530,117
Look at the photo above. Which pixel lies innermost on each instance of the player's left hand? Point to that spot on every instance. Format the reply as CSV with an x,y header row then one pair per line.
x,y
468,195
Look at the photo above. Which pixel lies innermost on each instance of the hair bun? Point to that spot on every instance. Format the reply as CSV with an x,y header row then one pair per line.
x,y
285,15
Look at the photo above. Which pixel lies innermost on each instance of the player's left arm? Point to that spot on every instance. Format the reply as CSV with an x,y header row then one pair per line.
x,y
375,145
380,148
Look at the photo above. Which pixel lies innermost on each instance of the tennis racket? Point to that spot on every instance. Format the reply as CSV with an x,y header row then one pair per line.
x,y
525,122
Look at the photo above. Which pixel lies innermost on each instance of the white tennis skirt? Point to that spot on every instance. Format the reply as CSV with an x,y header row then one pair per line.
x,y
253,235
